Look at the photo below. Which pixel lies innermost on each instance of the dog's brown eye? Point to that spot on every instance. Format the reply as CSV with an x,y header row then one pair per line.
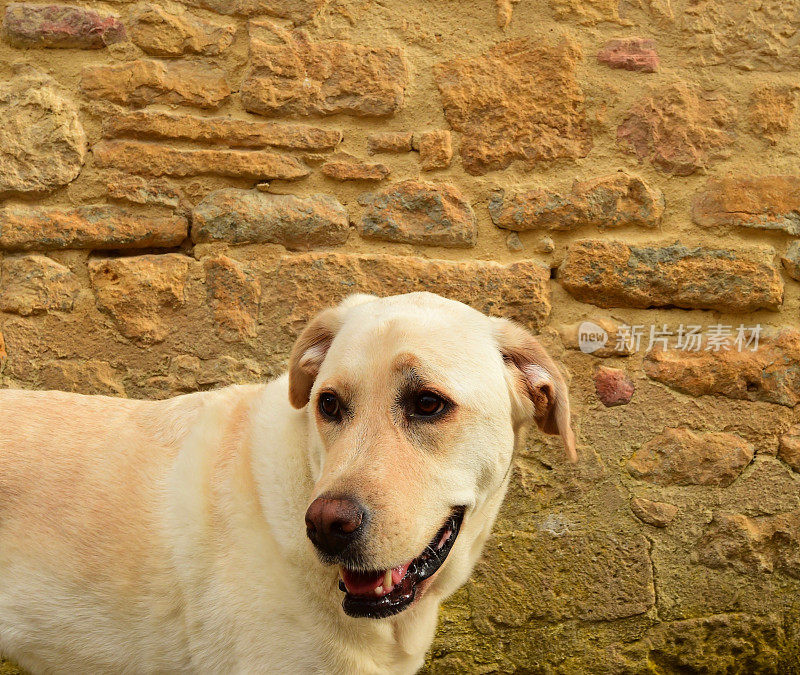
x,y
428,404
329,406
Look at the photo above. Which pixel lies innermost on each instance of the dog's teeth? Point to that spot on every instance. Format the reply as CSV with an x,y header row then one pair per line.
x,y
387,579
379,591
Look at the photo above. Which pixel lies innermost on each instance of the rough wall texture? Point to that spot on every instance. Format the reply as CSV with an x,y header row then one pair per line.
x,y
183,185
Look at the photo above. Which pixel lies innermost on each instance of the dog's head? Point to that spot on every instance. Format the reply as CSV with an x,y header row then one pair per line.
x,y
415,403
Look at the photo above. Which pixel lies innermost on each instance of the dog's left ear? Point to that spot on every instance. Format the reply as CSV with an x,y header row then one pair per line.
x,y
312,346
539,391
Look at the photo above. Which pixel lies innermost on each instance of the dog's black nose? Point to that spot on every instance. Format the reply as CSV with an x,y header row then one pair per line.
x,y
334,522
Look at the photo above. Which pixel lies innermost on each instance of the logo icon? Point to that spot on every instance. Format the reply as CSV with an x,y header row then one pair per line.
x,y
591,337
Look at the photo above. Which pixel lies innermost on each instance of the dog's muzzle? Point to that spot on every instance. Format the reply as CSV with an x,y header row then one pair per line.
x,y
382,593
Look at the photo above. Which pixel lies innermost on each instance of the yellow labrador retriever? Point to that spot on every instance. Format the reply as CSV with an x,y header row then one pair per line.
x,y
310,525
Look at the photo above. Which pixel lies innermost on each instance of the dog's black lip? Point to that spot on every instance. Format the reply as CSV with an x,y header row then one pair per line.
x,y
422,567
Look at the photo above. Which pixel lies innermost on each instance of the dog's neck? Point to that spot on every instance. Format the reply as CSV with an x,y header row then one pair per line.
x,y
398,644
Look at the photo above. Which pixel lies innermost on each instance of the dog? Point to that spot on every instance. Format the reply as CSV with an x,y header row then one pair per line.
x,y
313,524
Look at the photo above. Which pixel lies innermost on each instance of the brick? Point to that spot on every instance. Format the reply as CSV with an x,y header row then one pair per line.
x,y
249,217
771,111
144,82
720,643
614,200
300,77
140,292
82,376
750,35
188,373
789,448
763,203
235,294
218,130
771,373
98,226
145,191
59,26
35,284
679,129
767,544
657,514
681,457
413,212
600,338
613,386
163,33
591,577
42,142
298,11
389,141
517,102
159,160
435,149
791,260
347,167
310,282
612,274
630,54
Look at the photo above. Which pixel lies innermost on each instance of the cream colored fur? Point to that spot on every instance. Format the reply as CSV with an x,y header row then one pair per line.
x,y
169,536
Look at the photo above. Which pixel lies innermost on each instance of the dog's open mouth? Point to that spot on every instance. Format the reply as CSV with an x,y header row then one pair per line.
x,y
382,593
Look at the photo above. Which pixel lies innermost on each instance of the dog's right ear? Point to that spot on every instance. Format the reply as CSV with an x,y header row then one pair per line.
x,y
539,388
309,352
312,346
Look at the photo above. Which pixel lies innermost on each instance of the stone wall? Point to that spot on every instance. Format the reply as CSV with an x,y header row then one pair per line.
x,y
184,184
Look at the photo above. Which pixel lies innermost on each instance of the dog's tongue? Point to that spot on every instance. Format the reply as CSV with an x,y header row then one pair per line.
x,y
372,583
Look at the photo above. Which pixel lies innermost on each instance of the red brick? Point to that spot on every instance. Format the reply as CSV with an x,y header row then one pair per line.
x,y
350,168
614,200
630,54
163,33
34,284
758,202
682,457
435,149
99,226
310,282
139,293
613,386
412,212
323,78
142,82
389,141
771,373
161,160
60,26
218,130
679,128
519,101
612,274
248,217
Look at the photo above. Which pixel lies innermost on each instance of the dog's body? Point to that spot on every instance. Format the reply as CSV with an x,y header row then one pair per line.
x,y
169,536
